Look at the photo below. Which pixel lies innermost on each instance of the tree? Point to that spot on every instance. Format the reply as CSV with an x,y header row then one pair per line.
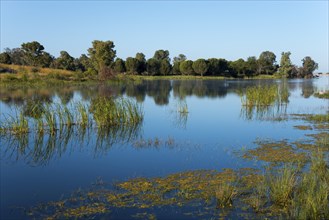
x,y
200,66
309,66
32,52
16,56
161,55
141,62
132,65
46,60
186,67
180,58
165,67
177,61
251,66
102,55
213,66
65,61
5,58
152,66
266,63
84,63
238,67
119,66
285,65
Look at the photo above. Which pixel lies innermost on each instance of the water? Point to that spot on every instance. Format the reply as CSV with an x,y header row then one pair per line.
x,y
206,137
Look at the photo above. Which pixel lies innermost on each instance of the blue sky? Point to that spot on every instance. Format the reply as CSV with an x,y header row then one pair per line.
x,y
198,29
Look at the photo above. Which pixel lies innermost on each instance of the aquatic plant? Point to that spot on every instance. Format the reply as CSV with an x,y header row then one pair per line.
x,y
225,194
109,112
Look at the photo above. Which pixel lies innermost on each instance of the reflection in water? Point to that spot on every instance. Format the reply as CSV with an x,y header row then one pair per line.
x,y
159,90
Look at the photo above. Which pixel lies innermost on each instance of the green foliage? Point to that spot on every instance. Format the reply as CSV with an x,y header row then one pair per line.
x,y
119,66
152,66
200,66
165,67
309,66
266,63
161,55
102,55
180,58
286,66
186,67
65,61
132,65
238,68
5,58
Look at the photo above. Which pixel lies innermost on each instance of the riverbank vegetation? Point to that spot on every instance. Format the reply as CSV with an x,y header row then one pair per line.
x,y
101,63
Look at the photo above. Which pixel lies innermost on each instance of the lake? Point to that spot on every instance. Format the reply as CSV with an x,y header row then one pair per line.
x,y
188,125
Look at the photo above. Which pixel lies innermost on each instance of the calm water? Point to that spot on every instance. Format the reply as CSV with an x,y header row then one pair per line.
x,y
207,137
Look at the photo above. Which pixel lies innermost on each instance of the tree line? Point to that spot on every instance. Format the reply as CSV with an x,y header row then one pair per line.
x,y
101,61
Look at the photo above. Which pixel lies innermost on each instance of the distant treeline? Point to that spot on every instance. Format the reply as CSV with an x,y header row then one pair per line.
x,y
102,62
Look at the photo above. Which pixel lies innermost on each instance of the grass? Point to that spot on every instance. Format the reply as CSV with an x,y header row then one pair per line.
x,y
109,112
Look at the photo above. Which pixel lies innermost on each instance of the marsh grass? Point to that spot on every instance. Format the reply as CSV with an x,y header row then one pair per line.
x,y
109,112
265,101
225,194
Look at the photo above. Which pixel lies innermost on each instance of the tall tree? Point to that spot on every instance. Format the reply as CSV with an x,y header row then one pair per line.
x,y
65,61
266,63
132,65
102,55
309,66
165,67
200,66
152,66
119,66
32,52
285,65
141,62
186,67
161,55
179,58
251,66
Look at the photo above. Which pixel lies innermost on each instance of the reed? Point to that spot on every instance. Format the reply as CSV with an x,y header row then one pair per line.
x,y
225,194
109,112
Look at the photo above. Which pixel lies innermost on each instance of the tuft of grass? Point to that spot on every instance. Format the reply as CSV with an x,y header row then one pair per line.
x,y
225,194
109,112
282,185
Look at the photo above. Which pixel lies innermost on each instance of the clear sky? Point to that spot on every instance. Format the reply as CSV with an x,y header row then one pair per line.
x,y
198,29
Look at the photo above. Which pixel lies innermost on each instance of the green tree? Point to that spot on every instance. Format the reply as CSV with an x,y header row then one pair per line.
x,y
179,58
46,60
65,61
177,61
85,63
165,67
266,63
200,66
309,66
239,68
152,66
213,66
119,66
141,62
186,67
251,66
132,65
32,52
5,58
102,55
161,55
285,65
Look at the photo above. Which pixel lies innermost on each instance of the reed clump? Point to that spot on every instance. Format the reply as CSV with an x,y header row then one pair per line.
x,y
109,112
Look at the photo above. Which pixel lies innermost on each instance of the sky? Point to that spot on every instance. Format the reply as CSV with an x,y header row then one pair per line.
x,y
198,29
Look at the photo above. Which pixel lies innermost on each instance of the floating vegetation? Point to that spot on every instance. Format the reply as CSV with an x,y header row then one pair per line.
x,y
303,127
264,101
275,152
